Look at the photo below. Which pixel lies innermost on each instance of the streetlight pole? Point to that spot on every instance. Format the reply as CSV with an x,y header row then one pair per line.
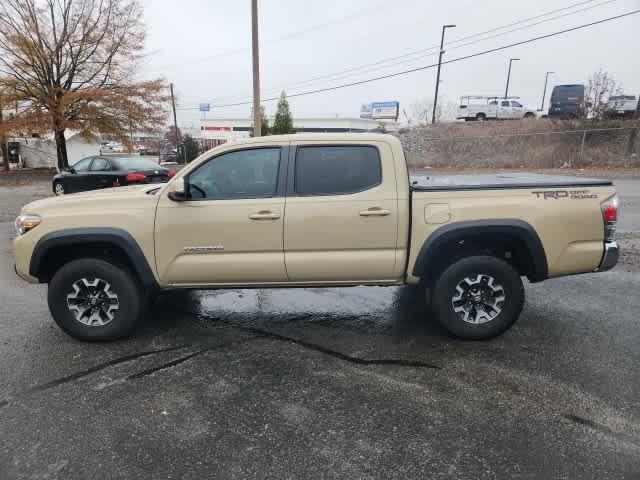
x,y
506,90
435,97
257,120
544,92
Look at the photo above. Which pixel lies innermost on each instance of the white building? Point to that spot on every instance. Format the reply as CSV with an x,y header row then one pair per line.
x,y
221,130
41,152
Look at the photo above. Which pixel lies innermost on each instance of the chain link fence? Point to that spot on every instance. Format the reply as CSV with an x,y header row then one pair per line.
x,y
617,147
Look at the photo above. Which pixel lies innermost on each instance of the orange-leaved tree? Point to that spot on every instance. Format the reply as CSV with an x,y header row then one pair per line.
x,y
75,63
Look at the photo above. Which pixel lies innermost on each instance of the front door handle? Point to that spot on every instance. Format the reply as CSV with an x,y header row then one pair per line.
x,y
264,215
375,212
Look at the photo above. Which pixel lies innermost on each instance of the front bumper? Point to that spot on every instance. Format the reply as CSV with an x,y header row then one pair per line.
x,y
610,256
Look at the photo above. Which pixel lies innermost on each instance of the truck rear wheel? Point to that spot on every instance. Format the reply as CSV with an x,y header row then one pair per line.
x,y
478,297
93,300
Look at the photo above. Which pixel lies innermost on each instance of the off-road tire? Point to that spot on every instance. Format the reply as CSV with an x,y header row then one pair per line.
x,y
478,268
116,287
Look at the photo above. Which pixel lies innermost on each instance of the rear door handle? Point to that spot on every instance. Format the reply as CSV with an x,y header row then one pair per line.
x,y
375,212
264,215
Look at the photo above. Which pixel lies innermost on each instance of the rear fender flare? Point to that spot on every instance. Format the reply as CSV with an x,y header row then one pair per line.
x,y
446,236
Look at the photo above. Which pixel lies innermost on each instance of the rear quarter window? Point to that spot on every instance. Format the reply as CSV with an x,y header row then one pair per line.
x,y
336,170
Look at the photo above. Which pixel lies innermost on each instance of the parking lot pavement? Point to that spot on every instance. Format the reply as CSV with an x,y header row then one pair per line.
x,y
334,383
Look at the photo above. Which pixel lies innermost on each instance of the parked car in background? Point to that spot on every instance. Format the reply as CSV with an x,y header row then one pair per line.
x,y
481,108
567,101
622,106
96,172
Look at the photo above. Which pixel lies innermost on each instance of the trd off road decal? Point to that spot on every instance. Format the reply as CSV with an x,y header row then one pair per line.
x,y
560,194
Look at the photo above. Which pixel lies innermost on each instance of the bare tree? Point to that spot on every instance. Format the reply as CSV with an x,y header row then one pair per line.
x,y
74,63
600,87
420,110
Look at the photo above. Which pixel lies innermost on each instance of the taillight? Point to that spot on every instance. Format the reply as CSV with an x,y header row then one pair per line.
x,y
136,177
171,174
609,210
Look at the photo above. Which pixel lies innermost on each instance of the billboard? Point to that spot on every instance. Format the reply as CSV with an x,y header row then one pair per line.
x,y
380,110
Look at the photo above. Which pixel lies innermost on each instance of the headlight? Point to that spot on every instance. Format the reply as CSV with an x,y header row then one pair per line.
x,y
24,223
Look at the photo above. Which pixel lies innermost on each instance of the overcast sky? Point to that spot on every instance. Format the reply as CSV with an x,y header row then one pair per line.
x,y
203,47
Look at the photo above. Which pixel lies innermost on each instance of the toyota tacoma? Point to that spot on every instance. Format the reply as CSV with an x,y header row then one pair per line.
x,y
320,210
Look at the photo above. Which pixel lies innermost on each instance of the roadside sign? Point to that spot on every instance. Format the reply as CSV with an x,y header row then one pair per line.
x,y
385,110
205,107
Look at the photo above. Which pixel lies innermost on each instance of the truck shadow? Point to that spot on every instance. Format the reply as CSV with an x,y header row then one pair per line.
x,y
395,313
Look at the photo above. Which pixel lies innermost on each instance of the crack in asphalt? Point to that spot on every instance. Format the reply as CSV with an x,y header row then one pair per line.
x,y
183,359
314,346
601,428
77,375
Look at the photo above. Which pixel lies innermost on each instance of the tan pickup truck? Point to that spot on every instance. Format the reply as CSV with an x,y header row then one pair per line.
x,y
315,210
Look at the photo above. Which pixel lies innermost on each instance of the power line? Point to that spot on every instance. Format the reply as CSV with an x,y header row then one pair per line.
x,y
425,67
420,53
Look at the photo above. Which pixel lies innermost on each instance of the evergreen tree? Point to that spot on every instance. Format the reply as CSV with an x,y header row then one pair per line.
x,y
283,123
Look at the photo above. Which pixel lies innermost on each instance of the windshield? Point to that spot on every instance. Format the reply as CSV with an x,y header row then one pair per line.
x,y
134,163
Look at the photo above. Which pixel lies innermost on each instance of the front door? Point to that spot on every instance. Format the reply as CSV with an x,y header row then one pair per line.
x,y
78,181
99,176
229,231
341,222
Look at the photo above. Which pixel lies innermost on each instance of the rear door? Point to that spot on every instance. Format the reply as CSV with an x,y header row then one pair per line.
x,y
341,214
504,110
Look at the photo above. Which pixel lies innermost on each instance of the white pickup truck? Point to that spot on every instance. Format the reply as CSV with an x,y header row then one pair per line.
x,y
479,108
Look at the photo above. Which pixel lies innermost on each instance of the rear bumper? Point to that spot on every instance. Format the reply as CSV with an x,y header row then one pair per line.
x,y
610,256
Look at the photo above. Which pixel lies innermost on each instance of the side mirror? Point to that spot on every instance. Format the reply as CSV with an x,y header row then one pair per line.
x,y
69,169
178,192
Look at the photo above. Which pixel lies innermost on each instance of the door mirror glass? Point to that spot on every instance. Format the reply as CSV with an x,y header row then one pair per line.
x,y
178,189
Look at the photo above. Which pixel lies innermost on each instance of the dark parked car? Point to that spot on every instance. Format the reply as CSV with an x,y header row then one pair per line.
x,y
104,172
567,101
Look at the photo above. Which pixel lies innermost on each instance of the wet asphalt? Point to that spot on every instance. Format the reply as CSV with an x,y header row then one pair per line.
x,y
326,383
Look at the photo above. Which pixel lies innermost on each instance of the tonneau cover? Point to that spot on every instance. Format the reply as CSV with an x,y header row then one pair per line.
x,y
501,181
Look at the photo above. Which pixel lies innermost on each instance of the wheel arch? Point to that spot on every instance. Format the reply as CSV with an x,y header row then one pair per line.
x,y
57,248
459,238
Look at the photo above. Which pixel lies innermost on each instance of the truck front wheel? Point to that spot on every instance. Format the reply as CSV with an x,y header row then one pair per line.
x,y
478,297
93,300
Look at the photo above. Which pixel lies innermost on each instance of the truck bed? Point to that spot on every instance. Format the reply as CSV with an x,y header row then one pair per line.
x,y
500,181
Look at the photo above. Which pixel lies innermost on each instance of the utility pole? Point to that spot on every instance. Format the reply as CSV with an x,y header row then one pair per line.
x,y
435,96
544,92
506,90
175,120
257,118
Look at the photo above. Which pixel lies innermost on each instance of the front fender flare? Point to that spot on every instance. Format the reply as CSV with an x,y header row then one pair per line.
x,y
86,236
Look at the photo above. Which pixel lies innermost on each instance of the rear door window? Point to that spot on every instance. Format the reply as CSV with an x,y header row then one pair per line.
x,y
336,170
99,165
